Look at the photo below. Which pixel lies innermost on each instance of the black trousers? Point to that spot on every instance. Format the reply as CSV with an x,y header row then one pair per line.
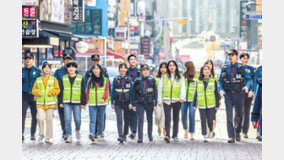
x,y
246,116
140,109
207,116
61,117
28,101
176,110
234,100
119,108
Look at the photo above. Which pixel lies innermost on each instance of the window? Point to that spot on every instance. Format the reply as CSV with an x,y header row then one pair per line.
x,y
92,24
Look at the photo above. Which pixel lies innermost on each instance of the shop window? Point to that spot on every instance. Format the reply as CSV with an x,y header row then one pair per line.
x,y
92,24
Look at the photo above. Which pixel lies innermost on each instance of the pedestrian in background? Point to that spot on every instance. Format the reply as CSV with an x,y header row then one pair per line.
x,y
133,72
29,75
97,98
45,90
171,94
121,101
256,115
72,98
234,82
145,99
159,112
187,111
59,73
206,98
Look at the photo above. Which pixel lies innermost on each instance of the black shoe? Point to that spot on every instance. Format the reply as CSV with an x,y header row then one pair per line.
x,y
238,137
120,139
167,139
96,136
139,141
151,139
132,135
32,137
259,138
124,138
23,137
231,140
64,136
103,135
246,136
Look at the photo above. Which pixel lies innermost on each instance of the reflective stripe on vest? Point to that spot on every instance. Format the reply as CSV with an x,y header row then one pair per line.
x,y
45,99
157,81
206,98
190,90
100,93
171,90
76,90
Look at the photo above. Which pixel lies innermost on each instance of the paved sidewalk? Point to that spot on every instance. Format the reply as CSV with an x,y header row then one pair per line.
x,y
109,148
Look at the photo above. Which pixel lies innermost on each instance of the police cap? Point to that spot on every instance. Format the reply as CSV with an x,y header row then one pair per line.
x,y
144,66
95,57
28,55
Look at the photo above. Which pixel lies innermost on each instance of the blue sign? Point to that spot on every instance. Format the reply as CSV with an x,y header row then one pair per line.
x,y
225,46
253,16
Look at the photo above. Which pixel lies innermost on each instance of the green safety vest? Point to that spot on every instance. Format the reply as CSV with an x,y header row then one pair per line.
x,y
206,98
157,81
72,94
191,88
95,96
171,91
45,99
216,76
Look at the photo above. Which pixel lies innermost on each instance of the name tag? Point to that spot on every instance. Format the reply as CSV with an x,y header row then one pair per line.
x,y
127,85
150,89
238,76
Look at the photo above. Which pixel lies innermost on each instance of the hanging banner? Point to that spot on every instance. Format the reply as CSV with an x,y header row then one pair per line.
x,y
78,11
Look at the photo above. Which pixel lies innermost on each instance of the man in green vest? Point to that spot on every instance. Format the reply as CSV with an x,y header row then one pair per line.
x,y
72,98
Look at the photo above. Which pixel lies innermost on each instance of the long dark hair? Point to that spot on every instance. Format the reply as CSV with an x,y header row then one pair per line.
x,y
94,79
201,75
159,75
212,69
177,74
190,71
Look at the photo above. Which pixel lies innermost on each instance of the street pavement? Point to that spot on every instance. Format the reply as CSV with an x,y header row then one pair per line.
x,y
109,148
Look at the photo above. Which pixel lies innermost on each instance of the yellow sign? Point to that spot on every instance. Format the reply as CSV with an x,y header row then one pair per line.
x,y
259,5
181,21
124,9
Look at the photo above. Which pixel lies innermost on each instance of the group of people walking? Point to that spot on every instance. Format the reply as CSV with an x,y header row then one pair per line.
x,y
134,92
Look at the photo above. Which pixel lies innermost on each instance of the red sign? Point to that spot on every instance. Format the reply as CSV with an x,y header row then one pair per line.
x,y
29,12
135,51
145,47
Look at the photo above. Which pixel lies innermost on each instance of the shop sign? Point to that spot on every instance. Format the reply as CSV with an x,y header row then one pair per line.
x,y
82,47
78,11
29,12
30,28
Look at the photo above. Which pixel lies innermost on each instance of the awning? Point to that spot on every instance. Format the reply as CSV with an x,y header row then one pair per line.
x,y
47,34
115,55
36,46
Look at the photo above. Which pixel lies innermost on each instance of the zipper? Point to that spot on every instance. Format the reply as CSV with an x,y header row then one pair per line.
x,y
96,95
205,95
171,91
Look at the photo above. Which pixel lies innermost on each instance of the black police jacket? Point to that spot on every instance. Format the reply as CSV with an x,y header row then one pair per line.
x,y
233,82
146,94
122,94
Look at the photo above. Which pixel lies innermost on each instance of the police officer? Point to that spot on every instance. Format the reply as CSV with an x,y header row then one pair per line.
x,y
244,57
59,73
133,72
121,100
95,59
233,82
145,98
29,74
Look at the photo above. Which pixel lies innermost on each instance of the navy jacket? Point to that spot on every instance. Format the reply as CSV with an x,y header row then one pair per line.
x,y
247,76
60,72
257,75
88,74
29,77
113,89
136,73
250,70
257,105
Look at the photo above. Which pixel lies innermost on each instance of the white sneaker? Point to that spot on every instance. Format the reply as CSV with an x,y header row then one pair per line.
x,y
210,135
205,139
99,137
191,137
69,139
41,137
47,140
78,135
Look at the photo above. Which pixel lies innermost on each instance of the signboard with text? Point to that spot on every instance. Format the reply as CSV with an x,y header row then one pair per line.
x,y
30,28
145,47
78,11
29,12
243,22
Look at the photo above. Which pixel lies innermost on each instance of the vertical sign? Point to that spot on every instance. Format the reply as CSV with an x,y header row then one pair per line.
x,y
124,9
78,11
29,28
145,47
258,5
243,23
29,12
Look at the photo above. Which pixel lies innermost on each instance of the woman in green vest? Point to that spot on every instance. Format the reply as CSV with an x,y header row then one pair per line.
x,y
187,111
159,112
97,98
45,90
72,98
206,98
214,75
171,94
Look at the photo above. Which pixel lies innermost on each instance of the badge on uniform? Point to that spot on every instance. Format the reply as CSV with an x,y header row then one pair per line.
x,y
150,89
238,76
34,73
247,70
193,83
128,85
177,81
77,84
210,88
49,86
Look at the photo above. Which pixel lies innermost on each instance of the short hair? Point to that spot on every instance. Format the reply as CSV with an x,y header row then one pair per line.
x,y
131,55
72,63
243,55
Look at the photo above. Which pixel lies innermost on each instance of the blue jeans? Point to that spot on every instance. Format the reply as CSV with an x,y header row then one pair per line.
x,y
68,108
95,111
188,106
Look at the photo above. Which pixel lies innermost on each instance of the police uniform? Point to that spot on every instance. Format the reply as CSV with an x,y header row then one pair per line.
x,y
145,98
232,84
88,74
121,97
29,76
59,73
133,73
